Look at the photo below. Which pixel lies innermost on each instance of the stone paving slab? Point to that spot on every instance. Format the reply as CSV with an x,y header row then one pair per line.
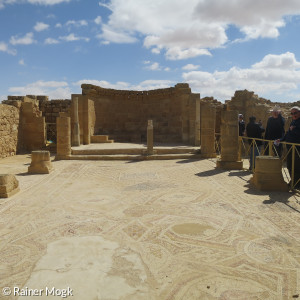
x,y
147,230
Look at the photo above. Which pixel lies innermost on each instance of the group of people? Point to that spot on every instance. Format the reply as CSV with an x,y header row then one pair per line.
x,y
274,132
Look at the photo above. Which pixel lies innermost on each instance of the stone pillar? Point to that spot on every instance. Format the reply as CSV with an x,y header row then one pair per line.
x,y
40,163
150,138
9,185
76,129
208,119
197,123
268,174
86,122
63,125
229,142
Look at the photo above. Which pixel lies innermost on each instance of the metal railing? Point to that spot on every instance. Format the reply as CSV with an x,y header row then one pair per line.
x,y
289,156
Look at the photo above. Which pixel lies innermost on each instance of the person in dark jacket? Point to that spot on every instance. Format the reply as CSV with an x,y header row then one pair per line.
x,y
275,130
254,130
241,125
293,136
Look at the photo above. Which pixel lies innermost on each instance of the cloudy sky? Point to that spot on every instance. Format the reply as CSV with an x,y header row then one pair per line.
x,y
51,47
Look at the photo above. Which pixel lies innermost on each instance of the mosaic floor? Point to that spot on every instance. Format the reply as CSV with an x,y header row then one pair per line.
x,y
146,230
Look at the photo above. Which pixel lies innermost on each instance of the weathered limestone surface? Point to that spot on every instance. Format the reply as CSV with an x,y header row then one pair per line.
x,y
63,137
149,230
33,126
268,174
229,142
9,185
123,115
40,162
75,123
208,120
150,137
9,123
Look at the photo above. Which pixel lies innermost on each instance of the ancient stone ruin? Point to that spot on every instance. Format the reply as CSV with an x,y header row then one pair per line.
x,y
101,115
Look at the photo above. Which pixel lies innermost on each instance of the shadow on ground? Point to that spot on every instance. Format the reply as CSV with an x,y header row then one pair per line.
x,y
290,198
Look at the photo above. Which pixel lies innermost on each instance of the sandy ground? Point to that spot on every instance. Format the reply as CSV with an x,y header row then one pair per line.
x,y
146,230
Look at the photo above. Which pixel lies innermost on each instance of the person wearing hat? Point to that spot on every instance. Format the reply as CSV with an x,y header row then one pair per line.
x,y
293,136
254,130
241,125
275,130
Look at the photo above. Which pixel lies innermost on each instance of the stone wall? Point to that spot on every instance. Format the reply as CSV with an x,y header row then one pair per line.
x,y
51,109
249,104
9,124
123,115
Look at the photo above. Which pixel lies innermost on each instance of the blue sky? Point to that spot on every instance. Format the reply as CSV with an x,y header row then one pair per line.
x,y
51,47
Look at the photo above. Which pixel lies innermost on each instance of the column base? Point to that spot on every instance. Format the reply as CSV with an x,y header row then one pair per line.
x,y
230,165
274,182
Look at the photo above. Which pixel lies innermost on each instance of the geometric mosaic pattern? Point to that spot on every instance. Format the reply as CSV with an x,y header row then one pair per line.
x,y
173,229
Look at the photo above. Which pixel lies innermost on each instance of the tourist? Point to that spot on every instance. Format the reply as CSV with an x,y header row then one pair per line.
x,y
275,130
293,136
254,130
241,125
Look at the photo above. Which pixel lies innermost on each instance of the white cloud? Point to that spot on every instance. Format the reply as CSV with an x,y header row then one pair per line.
x,y
51,41
176,53
119,37
98,20
58,25
72,37
3,3
274,74
190,67
154,67
284,61
79,23
25,40
5,48
53,89
21,62
47,2
189,28
40,26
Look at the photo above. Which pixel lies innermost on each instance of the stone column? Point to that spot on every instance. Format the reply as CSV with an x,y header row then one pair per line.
x,y
197,123
208,120
229,142
76,129
86,122
268,175
150,138
9,185
40,162
63,125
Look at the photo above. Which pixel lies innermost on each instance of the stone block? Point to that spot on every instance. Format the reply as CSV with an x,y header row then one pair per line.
x,y
229,165
40,162
268,174
9,185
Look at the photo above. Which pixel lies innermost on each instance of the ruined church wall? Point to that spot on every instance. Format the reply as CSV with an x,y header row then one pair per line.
x,y
9,125
123,115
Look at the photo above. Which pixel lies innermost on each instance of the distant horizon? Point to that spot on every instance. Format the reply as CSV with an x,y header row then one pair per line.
x,y
216,46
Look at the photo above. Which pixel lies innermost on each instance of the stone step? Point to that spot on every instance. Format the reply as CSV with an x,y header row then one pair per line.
x,y
135,157
100,139
132,151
